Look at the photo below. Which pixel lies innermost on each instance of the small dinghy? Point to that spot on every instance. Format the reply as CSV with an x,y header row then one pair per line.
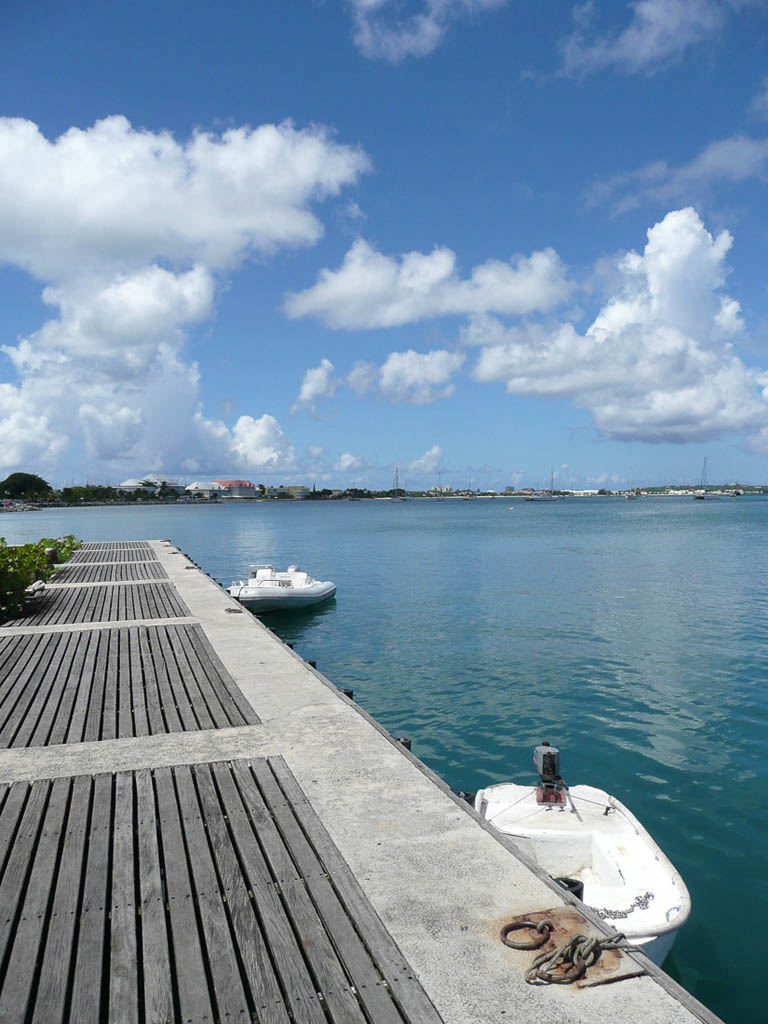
x,y
594,846
270,591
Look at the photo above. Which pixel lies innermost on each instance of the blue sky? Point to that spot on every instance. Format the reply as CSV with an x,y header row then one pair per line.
x,y
312,241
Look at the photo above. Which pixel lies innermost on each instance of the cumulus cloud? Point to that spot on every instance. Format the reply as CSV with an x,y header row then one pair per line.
x,y
659,32
382,30
374,290
418,377
317,383
429,463
349,463
657,363
315,451
730,161
129,230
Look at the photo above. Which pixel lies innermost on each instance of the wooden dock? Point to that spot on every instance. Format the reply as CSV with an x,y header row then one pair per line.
x,y
195,826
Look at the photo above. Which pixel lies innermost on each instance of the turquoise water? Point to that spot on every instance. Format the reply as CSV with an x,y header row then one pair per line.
x,y
631,634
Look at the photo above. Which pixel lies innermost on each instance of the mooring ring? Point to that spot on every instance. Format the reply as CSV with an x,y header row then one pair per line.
x,y
544,929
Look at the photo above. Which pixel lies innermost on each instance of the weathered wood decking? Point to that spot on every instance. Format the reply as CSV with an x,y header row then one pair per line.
x,y
204,893
197,827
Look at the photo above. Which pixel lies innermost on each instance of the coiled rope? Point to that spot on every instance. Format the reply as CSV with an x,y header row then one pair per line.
x,y
581,952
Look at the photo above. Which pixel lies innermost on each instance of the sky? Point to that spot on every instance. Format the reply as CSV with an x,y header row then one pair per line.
x,y
317,241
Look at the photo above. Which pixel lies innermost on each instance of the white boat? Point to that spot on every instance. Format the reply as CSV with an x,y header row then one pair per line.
x,y
586,838
270,591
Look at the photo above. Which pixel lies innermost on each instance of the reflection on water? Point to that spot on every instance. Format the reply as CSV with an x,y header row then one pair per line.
x,y
634,635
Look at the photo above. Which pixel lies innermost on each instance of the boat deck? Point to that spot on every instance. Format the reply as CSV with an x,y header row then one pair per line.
x,y
196,826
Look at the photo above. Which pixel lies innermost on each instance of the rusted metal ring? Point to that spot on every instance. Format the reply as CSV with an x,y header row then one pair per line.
x,y
543,928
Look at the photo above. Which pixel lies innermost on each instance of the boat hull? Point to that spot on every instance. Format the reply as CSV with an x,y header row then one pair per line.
x,y
594,838
281,599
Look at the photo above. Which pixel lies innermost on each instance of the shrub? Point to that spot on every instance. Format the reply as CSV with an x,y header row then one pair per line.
x,y
22,565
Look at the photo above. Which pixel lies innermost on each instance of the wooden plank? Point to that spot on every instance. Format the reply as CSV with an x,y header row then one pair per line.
x,y
123,967
155,947
13,887
30,665
152,699
86,715
17,726
180,694
210,695
125,717
288,957
89,995
50,997
329,972
410,996
13,807
229,995
110,715
160,669
196,697
368,982
28,935
135,685
236,707
61,694
254,956
190,974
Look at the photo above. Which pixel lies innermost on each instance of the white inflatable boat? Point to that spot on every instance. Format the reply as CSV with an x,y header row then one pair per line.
x,y
270,591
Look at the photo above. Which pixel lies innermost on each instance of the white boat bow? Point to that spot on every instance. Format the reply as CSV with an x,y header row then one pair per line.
x,y
268,591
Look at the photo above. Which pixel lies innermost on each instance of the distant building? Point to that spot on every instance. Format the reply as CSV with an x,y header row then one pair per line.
x,y
295,491
205,490
238,488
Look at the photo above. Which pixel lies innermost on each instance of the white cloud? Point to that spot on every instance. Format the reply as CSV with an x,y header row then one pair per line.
x,y
262,443
317,383
27,436
383,30
362,377
659,32
374,290
417,376
656,364
349,463
732,160
429,463
127,230
315,451
115,197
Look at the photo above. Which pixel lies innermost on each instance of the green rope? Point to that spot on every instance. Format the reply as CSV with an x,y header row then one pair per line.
x,y
581,952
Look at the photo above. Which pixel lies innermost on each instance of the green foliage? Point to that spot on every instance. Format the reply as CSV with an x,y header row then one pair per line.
x,y
22,565
24,485
88,492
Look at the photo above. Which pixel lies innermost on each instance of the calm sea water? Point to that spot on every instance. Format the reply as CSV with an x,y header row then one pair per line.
x,y
631,634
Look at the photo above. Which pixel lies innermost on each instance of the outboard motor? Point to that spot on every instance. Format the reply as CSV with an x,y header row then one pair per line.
x,y
546,761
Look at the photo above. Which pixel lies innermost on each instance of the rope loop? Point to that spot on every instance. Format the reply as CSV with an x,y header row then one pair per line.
x,y
543,930
581,952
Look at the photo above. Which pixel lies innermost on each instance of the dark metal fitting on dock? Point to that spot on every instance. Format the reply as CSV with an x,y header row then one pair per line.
x,y
405,741
469,797
287,643
234,611
312,664
348,693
